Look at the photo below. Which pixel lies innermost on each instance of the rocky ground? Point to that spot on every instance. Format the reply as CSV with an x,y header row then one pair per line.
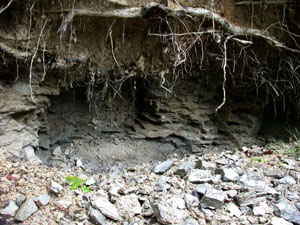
x,y
254,185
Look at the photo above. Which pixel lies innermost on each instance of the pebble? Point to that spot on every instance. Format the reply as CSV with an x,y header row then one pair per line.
x,y
56,188
42,200
20,199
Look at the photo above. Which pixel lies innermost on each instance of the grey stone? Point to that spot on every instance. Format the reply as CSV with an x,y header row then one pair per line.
x,y
44,141
90,181
29,153
20,199
26,210
191,201
169,215
176,202
213,199
64,203
190,221
248,198
279,221
288,181
293,196
10,210
200,191
185,168
79,163
245,210
288,211
43,199
57,151
298,205
207,165
163,167
262,209
275,173
199,176
231,193
96,216
229,175
233,209
162,185
255,181
222,161
55,187
106,208
130,204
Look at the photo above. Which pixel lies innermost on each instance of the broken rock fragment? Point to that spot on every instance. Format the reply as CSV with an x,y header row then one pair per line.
x,y
229,175
288,211
169,215
199,176
185,168
163,167
213,199
10,210
130,204
55,187
26,210
96,216
43,199
106,208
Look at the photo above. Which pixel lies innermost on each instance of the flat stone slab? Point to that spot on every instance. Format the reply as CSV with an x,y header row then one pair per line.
x,y
26,210
198,176
106,208
169,215
163,167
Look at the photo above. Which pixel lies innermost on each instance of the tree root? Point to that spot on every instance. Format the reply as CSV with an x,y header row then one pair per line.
x,y
135,12
14,52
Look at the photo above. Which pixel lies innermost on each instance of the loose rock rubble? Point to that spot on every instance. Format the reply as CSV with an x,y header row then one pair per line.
x,y
221,188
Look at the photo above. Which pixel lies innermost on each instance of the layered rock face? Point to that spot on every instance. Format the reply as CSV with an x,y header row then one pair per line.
x,y
186,118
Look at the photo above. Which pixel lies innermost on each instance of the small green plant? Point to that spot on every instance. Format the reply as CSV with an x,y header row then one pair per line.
x,y
261,160
294,147
77,182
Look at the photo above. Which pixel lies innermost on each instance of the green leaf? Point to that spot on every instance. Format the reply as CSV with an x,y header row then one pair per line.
x,y
74,180
85,189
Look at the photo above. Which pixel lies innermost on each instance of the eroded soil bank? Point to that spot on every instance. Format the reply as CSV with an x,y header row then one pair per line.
x,y
109,82
107,89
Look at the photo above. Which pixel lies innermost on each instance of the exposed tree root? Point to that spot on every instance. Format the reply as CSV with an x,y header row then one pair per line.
x,y
14,52
5,7
138,12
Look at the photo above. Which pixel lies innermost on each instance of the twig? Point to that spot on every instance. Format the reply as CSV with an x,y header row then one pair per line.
x,y
4,8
